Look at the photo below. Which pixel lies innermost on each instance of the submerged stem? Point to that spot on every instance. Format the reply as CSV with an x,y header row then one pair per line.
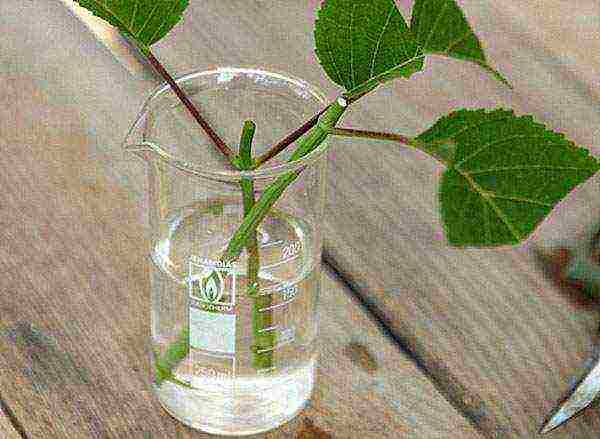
x,y
262,347
164,365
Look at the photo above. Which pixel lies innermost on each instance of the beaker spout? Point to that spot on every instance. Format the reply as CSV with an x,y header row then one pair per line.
x,y
138,147
135,141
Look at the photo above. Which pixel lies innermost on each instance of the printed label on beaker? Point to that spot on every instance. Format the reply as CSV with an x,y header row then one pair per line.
x,y
212,317
212,368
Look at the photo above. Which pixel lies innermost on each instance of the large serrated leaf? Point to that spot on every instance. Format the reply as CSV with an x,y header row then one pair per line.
x,y
441,28
145,21
505,174
364,41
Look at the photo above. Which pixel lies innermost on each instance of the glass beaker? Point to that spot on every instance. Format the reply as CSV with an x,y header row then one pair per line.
x,y
227,358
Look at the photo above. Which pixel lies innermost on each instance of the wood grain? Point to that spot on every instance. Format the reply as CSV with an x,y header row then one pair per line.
x,y
7,431
74,308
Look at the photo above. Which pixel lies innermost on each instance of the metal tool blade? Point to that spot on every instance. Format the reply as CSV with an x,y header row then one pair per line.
x,y
586,390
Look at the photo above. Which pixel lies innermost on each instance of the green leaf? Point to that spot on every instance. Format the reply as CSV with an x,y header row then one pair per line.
x,y
505,174
441,28
145,21
364,43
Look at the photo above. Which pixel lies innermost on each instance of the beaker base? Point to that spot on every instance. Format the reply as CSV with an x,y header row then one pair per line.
x,y
244,405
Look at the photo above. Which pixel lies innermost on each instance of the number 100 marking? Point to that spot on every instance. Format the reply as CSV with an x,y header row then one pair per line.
x,y
289,292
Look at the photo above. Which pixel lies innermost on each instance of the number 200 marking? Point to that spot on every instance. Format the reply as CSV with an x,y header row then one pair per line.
x,y
291,249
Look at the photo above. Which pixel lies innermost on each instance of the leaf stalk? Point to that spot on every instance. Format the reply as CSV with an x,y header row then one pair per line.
x,y
347,132
218,142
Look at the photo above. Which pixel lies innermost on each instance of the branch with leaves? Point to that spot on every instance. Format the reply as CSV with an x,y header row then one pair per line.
x,y
504,173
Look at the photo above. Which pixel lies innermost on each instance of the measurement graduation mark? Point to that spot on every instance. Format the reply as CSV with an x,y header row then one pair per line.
x,y
282,262
270,328
277,346
277,306
287,290
272,243
267,370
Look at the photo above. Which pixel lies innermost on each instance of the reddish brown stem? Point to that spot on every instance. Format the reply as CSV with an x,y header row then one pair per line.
x,y
289,139
219,143
371,135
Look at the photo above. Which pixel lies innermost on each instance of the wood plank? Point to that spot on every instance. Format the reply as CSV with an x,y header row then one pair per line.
x,y
7,431
74,303
486,323
548,32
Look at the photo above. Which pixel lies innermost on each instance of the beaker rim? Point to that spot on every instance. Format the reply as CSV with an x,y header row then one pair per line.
x,y
226,174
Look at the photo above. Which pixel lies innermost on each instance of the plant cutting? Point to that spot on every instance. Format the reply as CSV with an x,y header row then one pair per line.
x,y
236,250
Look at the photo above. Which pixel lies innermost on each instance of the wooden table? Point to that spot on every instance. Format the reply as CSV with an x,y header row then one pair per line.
x,y
423,340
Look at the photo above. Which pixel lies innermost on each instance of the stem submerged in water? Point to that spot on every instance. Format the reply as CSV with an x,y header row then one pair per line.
x,y
163,366
264,340
262,319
